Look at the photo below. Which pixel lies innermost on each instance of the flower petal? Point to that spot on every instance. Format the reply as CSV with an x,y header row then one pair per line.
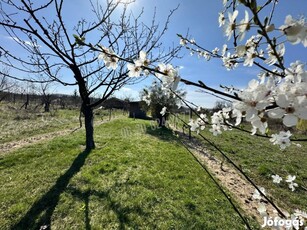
x,y
290,120
276,113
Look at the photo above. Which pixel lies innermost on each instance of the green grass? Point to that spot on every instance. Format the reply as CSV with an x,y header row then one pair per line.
x,y
17,124
138,177
259,159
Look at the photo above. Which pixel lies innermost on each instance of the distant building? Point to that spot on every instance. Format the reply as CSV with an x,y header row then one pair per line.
x,y
136,111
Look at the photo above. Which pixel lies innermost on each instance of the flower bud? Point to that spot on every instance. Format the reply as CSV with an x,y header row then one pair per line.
x,y
270,28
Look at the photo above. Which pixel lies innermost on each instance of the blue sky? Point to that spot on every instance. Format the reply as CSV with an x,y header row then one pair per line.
x,y
199,17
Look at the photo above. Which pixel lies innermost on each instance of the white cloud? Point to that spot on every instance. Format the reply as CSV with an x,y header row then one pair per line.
x,y
24,42
126,89
125,92
201,99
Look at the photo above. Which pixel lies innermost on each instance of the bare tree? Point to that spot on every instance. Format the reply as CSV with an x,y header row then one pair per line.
x,y
27,89
45,93
46,97
5,84
56,50
219,105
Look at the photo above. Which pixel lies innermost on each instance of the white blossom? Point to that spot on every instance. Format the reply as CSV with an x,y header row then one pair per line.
x,y
241,50
262,209
194,125
260,124
251,54
221,19
163,111
229,61
219,121
215,50
182,42
251,51
199,123
292,186
167,70
224,49
109,57
272,58
270,28
257,195
296,73
230,25
289,109
225,2
147,99
282,139
244,26
300,214
254,99
295,30
276,179
290,178
215,129
134,70
169,76
142,60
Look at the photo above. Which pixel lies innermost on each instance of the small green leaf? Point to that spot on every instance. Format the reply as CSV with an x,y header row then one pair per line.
x,y
78,40
267,131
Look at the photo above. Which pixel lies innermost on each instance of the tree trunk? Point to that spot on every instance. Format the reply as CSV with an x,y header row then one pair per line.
x,y
161,120
89,126
86,109
47,107
27,102
2,97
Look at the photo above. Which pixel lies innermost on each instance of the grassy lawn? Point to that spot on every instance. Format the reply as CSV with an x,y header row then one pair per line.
x,y
260,160
138,177
17,124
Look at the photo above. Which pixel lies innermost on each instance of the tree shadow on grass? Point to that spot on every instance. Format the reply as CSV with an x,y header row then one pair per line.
x,y
41,211
40,214
162,133
122,213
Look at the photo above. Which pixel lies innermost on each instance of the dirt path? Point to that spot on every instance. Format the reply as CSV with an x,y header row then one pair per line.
x,y
8,147
5,148
241,190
